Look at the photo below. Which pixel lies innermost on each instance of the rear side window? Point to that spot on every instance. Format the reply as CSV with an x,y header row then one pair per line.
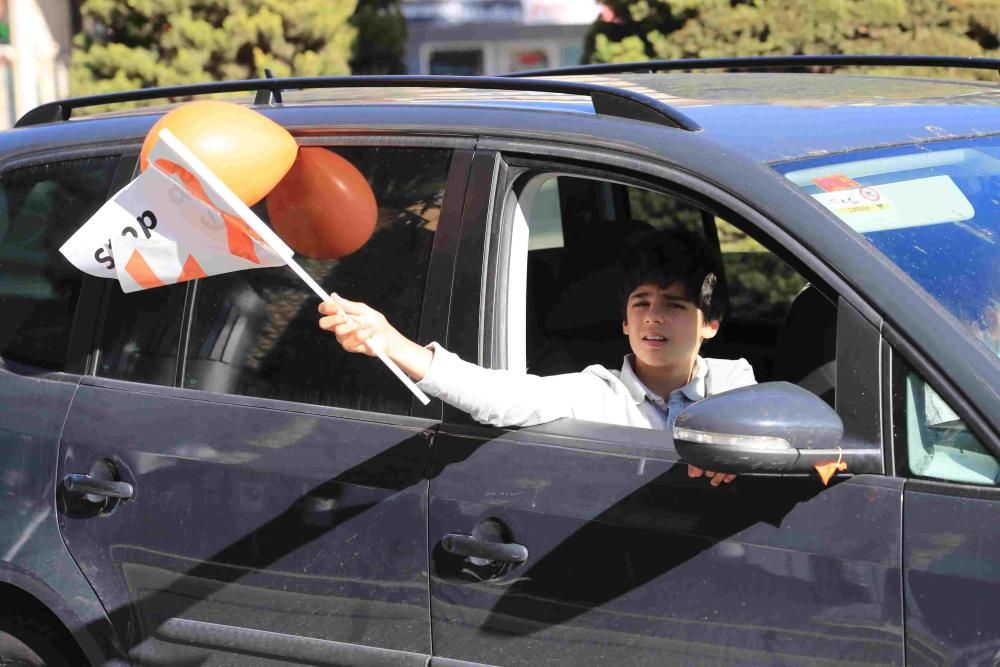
x,y
255,332
40,207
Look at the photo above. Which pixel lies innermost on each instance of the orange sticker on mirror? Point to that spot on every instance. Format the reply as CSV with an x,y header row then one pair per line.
x,y
828,470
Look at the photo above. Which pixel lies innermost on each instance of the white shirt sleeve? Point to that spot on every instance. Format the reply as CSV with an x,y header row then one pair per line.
x,y
507,398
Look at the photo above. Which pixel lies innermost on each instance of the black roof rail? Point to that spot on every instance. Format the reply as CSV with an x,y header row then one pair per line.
x,y
765,62
606,99
264,97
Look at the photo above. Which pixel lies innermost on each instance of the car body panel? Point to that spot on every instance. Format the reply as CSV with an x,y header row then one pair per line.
x,y
33,408
631,560
952,575
256,516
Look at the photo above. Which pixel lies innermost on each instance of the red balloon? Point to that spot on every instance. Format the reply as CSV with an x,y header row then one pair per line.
x,y
323,207
248,151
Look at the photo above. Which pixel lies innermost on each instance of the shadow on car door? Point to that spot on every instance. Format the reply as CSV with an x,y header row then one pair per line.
x,y
256,532
237,488
629,561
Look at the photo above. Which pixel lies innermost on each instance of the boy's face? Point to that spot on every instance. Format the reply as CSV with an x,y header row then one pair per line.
x,y
664,328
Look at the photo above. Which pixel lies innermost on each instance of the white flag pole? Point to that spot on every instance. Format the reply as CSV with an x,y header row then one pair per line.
x,y
272,240
390,364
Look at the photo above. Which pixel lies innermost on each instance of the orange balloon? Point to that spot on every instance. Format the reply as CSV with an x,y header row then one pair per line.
x,y
324,207
248,151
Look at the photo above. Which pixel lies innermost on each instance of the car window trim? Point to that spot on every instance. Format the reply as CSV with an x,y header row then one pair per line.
x,y
273,404
464,335
859,376
385,140
435,308
951,489
46,156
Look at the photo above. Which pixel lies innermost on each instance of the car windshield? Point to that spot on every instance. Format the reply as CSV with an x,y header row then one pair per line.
x,y
931,208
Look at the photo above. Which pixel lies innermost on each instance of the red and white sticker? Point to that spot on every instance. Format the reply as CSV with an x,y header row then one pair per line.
x,y
871,194
863,208
835,182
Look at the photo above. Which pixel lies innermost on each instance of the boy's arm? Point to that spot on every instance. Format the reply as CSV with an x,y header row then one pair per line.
x,y
497,397
500,398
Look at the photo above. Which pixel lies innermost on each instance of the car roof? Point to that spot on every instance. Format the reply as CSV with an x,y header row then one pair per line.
x,y
769,117
782,116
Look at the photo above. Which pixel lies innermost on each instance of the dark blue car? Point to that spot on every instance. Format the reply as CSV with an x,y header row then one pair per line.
x,y
197,475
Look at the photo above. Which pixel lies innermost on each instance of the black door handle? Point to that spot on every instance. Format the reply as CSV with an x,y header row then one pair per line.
x,y
76,483
466,545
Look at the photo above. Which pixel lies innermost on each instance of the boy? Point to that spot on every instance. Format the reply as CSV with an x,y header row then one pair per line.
x,y
672,302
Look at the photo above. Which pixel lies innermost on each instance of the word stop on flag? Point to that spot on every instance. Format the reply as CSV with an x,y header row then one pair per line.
x,y
168,226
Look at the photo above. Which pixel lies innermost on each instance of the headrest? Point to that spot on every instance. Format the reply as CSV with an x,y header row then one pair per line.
x,y
590,277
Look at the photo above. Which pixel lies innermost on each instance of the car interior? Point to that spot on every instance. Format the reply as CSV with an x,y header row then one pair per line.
x,y
785,327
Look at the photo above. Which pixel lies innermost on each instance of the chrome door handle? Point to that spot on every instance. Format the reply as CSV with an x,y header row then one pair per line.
x,y
76,483
466,545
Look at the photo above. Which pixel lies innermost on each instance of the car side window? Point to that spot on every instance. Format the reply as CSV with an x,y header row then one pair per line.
x,y
576,229
939,445
783,325
142,335
40,208
255,333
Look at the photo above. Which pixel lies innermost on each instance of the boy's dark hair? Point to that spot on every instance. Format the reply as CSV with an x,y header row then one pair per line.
x,y
664,258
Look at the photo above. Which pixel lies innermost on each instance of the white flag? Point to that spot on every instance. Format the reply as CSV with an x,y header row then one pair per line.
x,y
173,223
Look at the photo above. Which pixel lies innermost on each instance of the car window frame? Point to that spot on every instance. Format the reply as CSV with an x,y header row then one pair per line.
x,y
499,163
434,309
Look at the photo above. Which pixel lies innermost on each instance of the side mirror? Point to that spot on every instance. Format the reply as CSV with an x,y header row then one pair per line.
x,y
774,427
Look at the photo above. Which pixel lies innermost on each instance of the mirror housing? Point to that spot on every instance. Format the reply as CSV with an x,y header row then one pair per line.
x,y
773,427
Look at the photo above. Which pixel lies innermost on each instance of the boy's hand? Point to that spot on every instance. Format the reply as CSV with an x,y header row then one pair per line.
x,y
358,327
718,478
362,329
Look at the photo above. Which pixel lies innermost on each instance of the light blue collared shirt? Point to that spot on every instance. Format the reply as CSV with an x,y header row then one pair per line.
x,y
678,399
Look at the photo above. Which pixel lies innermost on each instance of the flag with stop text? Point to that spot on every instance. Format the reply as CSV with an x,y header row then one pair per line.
x,y
175,222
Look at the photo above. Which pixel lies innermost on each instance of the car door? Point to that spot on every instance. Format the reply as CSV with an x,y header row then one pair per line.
x,y
46,305
276,502
582,543
941,371
951,545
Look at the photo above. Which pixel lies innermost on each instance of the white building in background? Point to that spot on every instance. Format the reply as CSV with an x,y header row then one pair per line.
x,y
35,42
470,37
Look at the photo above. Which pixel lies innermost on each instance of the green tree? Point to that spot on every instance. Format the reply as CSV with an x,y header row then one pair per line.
x,y
125,45
379,48
668,29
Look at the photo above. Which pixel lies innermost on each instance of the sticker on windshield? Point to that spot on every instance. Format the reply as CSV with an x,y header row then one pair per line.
x,y
863,208
915,203
835,182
